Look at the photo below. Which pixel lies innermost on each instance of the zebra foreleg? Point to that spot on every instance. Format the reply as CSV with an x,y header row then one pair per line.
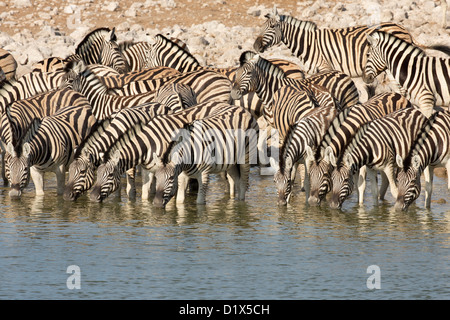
x,y
373,177
148,184
38,179
428,175
389,171
384,185
244,171
131,183
203,182
361,183
60,179
233,179
182,186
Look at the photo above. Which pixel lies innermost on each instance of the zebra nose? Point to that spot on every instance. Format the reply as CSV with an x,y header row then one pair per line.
x,y
282,202
368,78
399,206
235,93
15,191
313,201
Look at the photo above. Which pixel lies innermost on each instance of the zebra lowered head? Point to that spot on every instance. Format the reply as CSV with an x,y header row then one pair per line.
x,y
108,177
271,34
408,182
342,183
18,168
375,63
319,176
81,175
283,180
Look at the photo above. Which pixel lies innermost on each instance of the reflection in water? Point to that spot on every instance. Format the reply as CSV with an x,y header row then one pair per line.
x,y
226,249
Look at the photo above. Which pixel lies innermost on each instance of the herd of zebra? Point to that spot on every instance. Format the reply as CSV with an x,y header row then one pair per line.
x,y
113,107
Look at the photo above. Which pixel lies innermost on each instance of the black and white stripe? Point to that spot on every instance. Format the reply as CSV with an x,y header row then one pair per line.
x,y
431,150
47,146
324,162
425,79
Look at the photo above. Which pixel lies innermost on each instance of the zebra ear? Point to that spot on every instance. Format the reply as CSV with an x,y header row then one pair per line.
x,y
371,40
329,156
101,155
399,161
275,12
415,161
10,149
2,145
115,157
112,35
289,162
157,159
348,161
26,149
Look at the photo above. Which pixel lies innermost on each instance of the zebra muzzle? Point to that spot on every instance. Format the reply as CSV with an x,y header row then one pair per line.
x,y
235,93
258,45
15,191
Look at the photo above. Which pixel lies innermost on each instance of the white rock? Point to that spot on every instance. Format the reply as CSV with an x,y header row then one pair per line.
x,y
111,6
21,3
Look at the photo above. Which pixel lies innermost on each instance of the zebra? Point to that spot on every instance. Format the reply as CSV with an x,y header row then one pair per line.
x,y
47,146
259,75
375,145
51,64
431,150
322,172
307,131
425,79
140,142
100,47
140,55
325,49
8,66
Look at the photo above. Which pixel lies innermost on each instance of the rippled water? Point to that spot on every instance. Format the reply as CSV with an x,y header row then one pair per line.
x,y
224,250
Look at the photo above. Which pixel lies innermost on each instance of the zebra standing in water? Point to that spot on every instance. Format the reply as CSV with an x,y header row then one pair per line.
x,y
169,99
140,143
324,163
325,49
431,150
375,145
425,79
47,146
308,131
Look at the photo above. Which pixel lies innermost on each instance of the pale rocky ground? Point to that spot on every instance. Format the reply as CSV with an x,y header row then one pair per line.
x,y
216,31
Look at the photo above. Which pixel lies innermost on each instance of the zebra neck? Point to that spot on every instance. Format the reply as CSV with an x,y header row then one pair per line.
x,y
398,57
94,90
300,37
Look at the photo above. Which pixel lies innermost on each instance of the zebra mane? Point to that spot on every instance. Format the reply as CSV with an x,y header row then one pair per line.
x,y
92,36
27,136
418,50
331,132
421,136
186,55
306,25
285,146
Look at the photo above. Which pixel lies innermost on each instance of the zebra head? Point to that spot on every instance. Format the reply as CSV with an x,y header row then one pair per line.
x,y
408,182
245,78
81,176
72,79
17,168
111,54
166,176
375,63
319,176
342,185
283,181
271,34
108,177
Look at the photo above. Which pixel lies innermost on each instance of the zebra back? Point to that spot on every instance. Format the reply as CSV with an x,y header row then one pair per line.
x,y
51,64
